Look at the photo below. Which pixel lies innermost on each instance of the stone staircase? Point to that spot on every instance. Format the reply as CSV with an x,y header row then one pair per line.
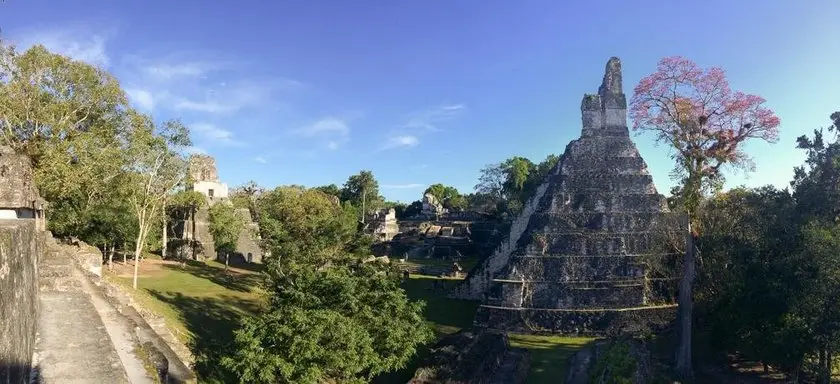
x,y
72,343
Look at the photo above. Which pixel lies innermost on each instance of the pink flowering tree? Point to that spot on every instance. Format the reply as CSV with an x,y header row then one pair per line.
x,y
696,113
706,124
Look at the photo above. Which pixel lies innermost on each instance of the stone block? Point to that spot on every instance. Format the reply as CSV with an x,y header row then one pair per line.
x,y
20,250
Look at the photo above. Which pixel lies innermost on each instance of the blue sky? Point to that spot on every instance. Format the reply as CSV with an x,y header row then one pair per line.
x,y
419,92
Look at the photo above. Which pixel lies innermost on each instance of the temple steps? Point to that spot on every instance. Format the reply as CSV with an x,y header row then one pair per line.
x,y
579,310
596,202
620,221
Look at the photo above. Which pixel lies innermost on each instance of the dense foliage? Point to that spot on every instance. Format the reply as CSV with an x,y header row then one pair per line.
x,y
225,226
330,315
769,288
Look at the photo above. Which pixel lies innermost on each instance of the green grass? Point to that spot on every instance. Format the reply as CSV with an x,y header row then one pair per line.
x,y
549,355
466,264
203,306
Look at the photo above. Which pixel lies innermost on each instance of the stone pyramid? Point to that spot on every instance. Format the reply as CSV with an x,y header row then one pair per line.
x,y
574,260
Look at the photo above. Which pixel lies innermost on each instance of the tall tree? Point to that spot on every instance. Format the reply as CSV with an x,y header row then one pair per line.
x,y
157,168
362,189
48,98
447,195
705,124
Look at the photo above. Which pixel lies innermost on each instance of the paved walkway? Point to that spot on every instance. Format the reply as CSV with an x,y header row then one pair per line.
x,y
81,337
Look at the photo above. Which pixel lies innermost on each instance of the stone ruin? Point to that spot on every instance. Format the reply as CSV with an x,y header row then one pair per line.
x,y
383,225
574,261
432,208
19,198
191,238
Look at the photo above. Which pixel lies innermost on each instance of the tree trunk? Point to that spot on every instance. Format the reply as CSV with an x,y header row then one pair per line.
x,y
110,256
125,255
684,368
138,249
227,258
822,364
163,246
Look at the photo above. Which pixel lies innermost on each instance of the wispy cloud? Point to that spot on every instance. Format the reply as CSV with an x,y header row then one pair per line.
x,y
72,42
429,119
401,141
330,132
325,126
164,71
418,123
260,160
216,135
403,186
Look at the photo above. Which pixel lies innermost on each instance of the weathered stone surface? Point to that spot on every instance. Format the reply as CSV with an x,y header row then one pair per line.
x,y
17,190
203,168
574,261
383,225
19,197
20,248
474,356
247,245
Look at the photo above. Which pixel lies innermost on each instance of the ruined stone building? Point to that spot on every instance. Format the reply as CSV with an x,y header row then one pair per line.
x,y
19,197
192,237
575,260
383,225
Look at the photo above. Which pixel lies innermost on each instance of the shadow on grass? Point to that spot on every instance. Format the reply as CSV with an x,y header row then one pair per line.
x,y
446,315
211,321
234,281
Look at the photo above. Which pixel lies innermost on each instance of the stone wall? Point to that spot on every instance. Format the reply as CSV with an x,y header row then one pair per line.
x,y
478,281
20,250
248,243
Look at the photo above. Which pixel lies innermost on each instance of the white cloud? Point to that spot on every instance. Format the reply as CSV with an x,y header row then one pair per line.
x,y
169,71
260,160
75,43
429,119
143,98
403,186
228,99
205,106
333,145
214,134
325,126
401,141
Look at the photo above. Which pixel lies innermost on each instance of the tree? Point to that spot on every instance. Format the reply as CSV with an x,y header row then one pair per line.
x,y
246,195
448,196
706,124
405,211
330,316
362,189
69,118
330,189
48,98
225,226
492,181
156,168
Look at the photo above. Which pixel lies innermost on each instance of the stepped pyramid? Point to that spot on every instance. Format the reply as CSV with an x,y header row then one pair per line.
x,y
574,260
